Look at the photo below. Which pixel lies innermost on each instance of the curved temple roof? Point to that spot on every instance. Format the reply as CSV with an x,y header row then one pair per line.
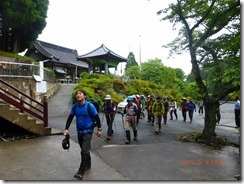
x,y
104,53
59,54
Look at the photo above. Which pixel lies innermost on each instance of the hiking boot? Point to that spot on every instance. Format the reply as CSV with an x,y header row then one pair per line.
x,y
79,175
88,166
127,142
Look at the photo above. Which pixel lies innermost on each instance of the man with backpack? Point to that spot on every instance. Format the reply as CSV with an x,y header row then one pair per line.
x,y
86,116
166,110
150,102
109,109
158,111
191,107
183,107
130,112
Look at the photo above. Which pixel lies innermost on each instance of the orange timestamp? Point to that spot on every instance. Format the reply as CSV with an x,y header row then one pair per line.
x,y
202,162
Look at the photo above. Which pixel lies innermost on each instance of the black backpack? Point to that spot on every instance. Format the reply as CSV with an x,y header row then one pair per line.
x,y
95,103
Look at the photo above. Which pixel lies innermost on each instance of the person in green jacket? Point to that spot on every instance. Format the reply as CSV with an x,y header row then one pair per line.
x,y
158,111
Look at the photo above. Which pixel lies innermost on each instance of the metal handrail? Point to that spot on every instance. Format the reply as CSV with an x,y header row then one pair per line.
x,y
24,106
12,69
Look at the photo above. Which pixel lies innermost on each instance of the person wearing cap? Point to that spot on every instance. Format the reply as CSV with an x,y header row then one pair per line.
x,y
143,106
150,102
85,128
130,112
183,108
158,111
191,107
109,109
173,109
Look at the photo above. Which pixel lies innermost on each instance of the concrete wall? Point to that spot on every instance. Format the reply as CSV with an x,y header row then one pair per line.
x,y
15,60
28,86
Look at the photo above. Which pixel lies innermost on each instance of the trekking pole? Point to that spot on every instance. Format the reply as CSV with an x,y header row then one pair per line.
x,y
115,127
123,123
113,123
102,118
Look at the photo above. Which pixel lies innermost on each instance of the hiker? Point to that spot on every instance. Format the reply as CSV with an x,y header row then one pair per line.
x,y
190,108
200,105
143,106
173,109
109,109
166,110
85,113
183,107
237,106
150,102
130,112
218,115
137,101
158,111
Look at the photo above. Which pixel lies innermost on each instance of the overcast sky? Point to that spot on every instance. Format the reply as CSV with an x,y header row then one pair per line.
x,y
121,25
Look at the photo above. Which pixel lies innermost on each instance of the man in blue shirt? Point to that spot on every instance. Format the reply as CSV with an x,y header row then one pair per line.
x,y
86,114
190,108
237,112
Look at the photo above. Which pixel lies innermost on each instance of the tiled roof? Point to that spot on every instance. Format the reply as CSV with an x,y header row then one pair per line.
x,y
103,51
59,53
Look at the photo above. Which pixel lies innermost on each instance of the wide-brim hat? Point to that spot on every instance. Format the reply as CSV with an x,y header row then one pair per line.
x,y
108,97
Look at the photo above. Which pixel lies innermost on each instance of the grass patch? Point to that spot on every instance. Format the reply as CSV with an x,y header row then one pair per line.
x,y
216,143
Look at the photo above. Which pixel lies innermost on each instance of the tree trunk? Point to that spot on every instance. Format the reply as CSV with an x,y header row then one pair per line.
x,y
210,120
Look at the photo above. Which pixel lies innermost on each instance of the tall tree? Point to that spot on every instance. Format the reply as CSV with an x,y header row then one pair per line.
x,y
22,22
131,61
210,31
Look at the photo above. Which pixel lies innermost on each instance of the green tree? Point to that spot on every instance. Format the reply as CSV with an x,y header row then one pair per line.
x,y
132,72
211,33
151,71
131,61
22,22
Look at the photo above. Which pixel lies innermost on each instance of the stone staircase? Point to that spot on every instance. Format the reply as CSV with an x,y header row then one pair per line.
x,y
23,120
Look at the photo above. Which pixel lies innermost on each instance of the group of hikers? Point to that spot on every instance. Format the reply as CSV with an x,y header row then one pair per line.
x,y
137,107
156,109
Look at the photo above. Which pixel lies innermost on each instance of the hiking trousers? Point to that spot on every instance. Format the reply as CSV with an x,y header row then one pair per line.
x,y
110,120
158,121
130,121
85,145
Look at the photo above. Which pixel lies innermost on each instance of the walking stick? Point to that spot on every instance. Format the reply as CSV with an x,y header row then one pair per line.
x,y
102,118
115,127
123,123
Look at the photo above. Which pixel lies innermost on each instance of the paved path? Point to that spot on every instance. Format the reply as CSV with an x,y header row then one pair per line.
x,y
153,158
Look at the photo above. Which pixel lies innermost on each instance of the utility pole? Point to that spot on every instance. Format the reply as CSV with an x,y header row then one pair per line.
x,y
139,56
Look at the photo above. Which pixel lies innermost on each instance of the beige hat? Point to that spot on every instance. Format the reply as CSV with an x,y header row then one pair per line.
x,y
108,97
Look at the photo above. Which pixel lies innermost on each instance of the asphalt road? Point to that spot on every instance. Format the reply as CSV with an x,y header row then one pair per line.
x,y
157,157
